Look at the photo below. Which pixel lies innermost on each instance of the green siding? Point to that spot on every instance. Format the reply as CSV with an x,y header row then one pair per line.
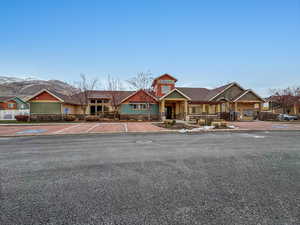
x,y
45,107
128,109
175,94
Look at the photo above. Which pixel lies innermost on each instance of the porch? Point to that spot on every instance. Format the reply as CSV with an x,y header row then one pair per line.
x,y
174,109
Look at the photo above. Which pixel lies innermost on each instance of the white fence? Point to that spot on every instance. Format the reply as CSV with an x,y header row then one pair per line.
x,y
10,114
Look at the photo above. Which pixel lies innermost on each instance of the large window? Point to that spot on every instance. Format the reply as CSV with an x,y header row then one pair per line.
x,y
165,89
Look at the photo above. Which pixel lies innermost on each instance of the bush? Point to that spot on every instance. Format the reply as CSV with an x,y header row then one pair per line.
x,y
22,118
69,118
91,118
45,117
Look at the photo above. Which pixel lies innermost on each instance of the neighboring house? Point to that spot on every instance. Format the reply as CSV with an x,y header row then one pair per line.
x,y
51,102
166,101
283,104
10,106
12,103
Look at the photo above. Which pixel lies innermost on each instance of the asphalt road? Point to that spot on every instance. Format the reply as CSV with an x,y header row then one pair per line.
x,y
213,178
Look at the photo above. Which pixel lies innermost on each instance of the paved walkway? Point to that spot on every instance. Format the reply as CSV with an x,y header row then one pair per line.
x,y
266,125
80,128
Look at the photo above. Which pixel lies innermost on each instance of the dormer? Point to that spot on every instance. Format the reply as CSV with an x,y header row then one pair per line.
x,y
163,84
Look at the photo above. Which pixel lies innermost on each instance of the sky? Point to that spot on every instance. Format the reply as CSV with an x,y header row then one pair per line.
x,y
203,43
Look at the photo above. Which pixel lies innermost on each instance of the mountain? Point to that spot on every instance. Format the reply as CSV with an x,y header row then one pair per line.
x,y
28,86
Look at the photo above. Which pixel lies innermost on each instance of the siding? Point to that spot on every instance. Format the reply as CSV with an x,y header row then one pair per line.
x,y
128,109
45,107
175,94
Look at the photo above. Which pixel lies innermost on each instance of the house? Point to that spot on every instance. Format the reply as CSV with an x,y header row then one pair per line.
x,y
283,104
164,101
10,106
12,103
52,103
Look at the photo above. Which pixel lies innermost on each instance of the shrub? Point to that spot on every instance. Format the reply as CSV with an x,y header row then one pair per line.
x,y
216,124
23,118
69,118
91,118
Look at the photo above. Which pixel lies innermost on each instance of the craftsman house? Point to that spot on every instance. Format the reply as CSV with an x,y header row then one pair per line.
x,y
12,103
10,106
164,101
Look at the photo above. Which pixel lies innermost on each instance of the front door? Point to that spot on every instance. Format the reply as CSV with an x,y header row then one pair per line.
x,y
169,112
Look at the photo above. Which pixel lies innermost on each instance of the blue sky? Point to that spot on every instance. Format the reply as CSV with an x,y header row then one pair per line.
x,y
202,43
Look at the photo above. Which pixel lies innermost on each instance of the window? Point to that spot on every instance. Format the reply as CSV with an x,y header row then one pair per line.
x,y
141,106
193,110
166,81
248,113
22,106
93,101
165,89
11,105
105,100
66,110
99,101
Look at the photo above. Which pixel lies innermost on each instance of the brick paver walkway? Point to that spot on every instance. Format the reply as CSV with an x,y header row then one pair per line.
x,y
80,128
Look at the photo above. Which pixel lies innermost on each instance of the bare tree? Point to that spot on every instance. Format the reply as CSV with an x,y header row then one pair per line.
x,y
114,88
285,98
83,91
143,81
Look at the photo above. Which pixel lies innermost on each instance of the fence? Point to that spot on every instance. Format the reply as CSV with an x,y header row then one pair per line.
x,y
10,114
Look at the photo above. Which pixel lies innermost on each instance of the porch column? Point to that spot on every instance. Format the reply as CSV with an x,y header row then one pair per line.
x,y
295,109
203,108
162,109
218,108
235,107
177,109
185,110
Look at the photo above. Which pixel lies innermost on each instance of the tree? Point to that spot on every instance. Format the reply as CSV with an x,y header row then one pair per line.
x,y
143,81
285,98
83,90
114,89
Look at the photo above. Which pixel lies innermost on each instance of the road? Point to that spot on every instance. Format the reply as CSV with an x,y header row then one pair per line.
x,y
211,178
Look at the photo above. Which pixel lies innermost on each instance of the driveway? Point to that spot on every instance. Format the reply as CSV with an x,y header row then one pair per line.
x,y
79,128
152,179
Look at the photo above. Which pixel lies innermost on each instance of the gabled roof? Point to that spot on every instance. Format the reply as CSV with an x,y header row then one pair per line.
x,y
58,96
141,90
217,91
49,92
166,74
246,92
6,98
175,89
